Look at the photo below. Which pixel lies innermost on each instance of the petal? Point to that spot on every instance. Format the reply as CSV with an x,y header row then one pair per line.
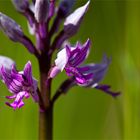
x,y
68,49
54,72
20,96
98,70
13,80
15,105
6,76
77,15
80,80
34,92
6,62
62,59
21,103
106,89
27,95
27,73
79,77
72,22
18,103
82,55
31,29
16,76
11,97
51,8
41,10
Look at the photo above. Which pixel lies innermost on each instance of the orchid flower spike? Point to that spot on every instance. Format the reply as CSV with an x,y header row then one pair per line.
x,y
20,84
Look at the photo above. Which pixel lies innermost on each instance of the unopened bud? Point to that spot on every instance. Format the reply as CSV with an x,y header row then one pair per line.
x,y
21,5
51,8
72,22
41,10
10,28
65,7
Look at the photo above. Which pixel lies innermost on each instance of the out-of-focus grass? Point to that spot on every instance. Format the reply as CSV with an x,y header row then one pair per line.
x,y
114,28
131,71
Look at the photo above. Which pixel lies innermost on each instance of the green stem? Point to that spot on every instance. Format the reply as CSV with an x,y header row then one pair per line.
x,y
46,124
46,108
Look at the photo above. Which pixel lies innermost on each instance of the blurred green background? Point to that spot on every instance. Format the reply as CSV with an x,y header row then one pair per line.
x,y
85,114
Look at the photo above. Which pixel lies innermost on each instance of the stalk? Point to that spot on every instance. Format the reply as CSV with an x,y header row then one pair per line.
x,y
46,109
46,124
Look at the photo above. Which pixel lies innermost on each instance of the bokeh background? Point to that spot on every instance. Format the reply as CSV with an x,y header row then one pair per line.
x,y
85,114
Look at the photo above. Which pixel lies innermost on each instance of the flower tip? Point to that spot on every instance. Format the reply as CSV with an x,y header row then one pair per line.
x,y
106,59
54,71
28,66
116,94
75,18
88,42
29,63
41,10
86,6
88,2
10,105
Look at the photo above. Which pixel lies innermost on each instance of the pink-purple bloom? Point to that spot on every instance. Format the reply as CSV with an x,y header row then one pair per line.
x,y
90,75
69,59
20,84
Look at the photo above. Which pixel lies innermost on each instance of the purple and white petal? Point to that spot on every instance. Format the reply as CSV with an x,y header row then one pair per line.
x,y
27,72
51,8
41,10
76,16
72,22
18,103
31,29
61,59
7,63
80,53
54,71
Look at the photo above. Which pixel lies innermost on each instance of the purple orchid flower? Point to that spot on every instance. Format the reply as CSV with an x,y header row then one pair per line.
x,y
69,59
20,84
90,75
